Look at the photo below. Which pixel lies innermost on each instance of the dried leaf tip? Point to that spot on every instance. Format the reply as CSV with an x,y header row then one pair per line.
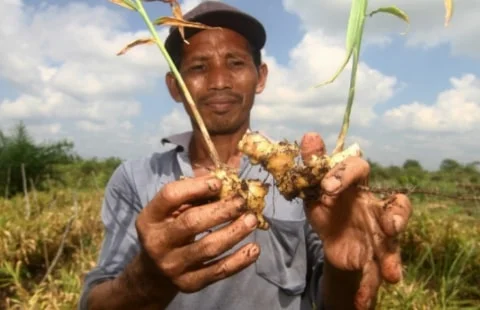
x,y
125,3
178,21
135,43
448,11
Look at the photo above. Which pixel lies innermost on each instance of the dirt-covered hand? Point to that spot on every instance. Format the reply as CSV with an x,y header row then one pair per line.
x,y
167,227
358,230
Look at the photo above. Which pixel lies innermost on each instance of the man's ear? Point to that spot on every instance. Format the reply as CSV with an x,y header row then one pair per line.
x,y
173,87
262,78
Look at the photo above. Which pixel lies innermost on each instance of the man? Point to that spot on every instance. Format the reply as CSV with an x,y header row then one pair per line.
x,y
170,245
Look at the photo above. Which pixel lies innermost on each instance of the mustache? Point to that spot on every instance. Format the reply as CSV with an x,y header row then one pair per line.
x,y
228,94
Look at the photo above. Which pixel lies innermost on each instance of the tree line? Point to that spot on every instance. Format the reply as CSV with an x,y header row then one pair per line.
x,y
56,164
47,164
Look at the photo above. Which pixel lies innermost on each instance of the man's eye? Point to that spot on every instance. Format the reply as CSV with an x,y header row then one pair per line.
x,y
197,68
238,63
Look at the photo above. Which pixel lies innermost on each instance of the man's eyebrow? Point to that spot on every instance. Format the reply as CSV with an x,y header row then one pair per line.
x,y
237,53
205,57
197,58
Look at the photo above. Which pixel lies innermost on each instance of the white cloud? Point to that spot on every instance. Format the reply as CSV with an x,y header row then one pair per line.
x,y
63,61
456,110
426,22
175,122
290,99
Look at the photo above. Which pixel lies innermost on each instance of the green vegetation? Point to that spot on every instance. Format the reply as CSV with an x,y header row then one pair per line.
x,y
47,165
43,259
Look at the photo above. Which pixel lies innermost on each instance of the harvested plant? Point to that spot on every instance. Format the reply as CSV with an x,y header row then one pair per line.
x,y
294,179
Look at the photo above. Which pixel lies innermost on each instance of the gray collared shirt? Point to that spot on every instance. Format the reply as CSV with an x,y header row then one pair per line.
x,y
285,276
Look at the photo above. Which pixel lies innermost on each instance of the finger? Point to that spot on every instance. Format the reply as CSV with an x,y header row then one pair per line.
x,y
318,215
177,193
391,262
351,171
182,208
311,144
217,270
395,213
369,286
387,250
210,246
199,219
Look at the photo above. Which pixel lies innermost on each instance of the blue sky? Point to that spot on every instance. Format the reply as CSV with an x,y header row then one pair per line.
x,y
418,95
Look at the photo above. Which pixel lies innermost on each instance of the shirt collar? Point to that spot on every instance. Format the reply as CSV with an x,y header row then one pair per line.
x,y
181,140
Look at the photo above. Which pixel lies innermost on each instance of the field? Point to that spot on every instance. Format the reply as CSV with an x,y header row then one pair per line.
x,y
441,249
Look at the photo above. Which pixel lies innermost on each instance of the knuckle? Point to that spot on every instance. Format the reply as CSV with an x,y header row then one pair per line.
x,y
363,164
189,219
403,200
154,243
208,248
358,162
222,270
187,285
169,192
169,267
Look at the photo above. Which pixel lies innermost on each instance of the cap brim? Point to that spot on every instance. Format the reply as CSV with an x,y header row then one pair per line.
x,y
244,24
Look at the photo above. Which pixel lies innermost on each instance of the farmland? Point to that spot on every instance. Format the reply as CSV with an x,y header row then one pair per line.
x,y
44,257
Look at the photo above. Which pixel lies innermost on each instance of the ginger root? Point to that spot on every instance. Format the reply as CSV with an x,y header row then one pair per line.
x,y
253,191
282,160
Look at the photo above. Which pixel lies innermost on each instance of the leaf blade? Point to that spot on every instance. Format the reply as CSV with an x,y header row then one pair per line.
x,y
137,42
181,24
125,3
354,32
357,14
448,11
395,11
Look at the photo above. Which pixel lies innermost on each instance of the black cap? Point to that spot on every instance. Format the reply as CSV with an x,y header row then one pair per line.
x,y
219,14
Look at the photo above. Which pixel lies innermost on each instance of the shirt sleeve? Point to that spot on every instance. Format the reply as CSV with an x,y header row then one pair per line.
x,y
120,207
315,258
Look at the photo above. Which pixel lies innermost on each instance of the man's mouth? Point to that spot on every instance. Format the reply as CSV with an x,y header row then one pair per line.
x,y
221,105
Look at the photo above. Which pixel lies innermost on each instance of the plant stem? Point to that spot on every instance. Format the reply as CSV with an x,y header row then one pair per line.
x,y
351,94
208,141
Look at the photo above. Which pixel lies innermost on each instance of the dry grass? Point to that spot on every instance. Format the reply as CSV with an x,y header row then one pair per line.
x,y
28,247
441,251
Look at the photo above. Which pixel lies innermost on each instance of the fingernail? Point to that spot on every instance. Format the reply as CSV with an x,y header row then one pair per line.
x,y
239,201
250,220
398,223
332,184
254,250
213,185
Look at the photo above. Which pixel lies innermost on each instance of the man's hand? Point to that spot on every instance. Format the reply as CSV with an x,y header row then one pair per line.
x,y
358,230
169,223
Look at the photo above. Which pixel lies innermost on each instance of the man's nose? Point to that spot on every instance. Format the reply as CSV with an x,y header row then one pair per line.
x,y
219,77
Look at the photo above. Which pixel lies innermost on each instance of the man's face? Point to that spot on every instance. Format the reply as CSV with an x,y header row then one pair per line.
x,y
219,71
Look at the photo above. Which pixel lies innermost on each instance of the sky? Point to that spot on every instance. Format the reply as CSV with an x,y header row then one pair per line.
x,y
417,94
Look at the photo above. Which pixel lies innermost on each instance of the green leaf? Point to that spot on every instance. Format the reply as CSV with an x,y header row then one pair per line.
x,y
125,3
355,22
354,32
395,11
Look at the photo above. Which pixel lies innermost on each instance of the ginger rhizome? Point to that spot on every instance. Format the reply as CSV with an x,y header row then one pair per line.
x,y
252,190
282,160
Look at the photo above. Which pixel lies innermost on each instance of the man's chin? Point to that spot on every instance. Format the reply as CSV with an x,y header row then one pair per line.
x,y
222,130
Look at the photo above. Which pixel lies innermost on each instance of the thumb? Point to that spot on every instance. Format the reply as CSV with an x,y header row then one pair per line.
x,y
311,144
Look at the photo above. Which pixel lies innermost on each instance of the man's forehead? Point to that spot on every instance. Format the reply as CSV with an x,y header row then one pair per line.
x,y
213,39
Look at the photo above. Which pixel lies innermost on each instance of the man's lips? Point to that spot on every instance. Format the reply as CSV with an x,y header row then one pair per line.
x,y
221,105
